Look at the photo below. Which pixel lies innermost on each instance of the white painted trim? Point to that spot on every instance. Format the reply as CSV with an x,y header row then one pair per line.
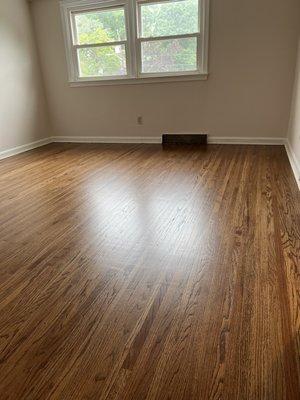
x,y
137,81
132,43
293,161
154,140
158,139
246,140
106,139
25,147
235,139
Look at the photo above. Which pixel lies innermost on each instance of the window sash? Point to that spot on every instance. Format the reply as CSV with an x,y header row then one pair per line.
x,y
76,46
140,3
91,11
133,38
110,44
140,39
142,74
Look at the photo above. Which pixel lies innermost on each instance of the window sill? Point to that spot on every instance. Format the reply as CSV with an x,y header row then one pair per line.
x,y
136,81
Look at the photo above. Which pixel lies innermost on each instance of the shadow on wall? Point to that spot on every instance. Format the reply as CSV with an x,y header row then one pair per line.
x,y
23,114
294,126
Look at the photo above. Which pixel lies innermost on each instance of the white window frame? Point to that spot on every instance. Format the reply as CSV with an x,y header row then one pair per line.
x,y
132,44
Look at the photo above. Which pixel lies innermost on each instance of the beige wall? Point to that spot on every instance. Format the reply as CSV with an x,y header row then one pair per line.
x,y
248,93
23,117
294,128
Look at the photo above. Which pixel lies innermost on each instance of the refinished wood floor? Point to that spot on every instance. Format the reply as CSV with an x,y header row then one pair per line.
x,y
133,272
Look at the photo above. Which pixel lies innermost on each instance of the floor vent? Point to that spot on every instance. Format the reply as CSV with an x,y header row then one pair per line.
x,y
178,138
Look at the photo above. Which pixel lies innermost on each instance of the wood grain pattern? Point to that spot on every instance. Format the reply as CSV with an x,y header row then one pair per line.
x,y
136,272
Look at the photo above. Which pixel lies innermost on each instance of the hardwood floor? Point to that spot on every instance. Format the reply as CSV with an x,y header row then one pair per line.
x,y
132,272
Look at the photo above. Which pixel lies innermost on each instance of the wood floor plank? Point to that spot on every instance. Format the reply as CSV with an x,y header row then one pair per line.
x,y
141,272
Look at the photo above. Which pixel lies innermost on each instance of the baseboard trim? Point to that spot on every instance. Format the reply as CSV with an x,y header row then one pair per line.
x,y
106,139
158,139
293,161
147,140
25,147
246,140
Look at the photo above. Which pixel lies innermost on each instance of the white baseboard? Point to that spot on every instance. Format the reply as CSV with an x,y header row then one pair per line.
x,y
158,139
107,139
142,139
245,140
293,161
25,147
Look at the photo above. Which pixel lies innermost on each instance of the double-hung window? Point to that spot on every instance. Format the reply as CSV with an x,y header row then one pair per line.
x,y
135,40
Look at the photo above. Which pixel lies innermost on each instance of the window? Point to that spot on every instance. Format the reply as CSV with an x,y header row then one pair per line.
x,y
135,40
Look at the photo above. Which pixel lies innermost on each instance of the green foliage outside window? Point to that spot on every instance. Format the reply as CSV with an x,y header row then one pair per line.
x,y
157,19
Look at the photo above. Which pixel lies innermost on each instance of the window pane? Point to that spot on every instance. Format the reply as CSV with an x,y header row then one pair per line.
x,y
169,55
169,18
101,26
102,61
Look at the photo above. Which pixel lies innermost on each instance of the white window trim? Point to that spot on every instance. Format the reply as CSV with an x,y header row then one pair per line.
x,y
133,43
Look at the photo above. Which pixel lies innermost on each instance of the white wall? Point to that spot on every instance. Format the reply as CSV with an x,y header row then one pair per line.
x,y
294,128
252,58
23,115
